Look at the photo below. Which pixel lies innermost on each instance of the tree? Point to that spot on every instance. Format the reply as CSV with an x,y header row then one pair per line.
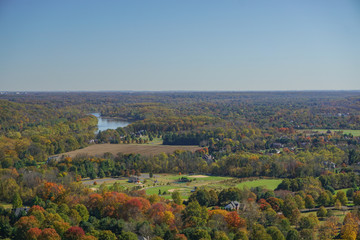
x,y
33,233
128,236
329,229
356,198
308,222
83,212
293,235
220,235
106,235
17,202
101,174
201,196
322,212
24,224
341,196
309,201
74,233
259,232
241,235
338,204
234,221
275,233
49,234
300,202
324,199
176,197
194,215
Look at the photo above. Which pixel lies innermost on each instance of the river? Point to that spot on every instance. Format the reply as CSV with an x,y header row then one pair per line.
x,y
108,123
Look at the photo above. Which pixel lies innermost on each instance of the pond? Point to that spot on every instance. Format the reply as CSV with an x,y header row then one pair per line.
x,y
109,123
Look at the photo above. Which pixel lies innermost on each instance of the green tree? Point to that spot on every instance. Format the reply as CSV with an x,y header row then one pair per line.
x,y
293,235
17,202
324,199
83,212
356,198
258,232
106,235
322,212
341,196
309,201
275,233
195,215
300,202
176,197
128,236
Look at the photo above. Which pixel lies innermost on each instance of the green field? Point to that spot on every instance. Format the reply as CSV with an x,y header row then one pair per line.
x,y
167,183
6,205
355,133
270,184
343,190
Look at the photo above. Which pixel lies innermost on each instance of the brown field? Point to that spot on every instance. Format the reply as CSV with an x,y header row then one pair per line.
x,y
143,149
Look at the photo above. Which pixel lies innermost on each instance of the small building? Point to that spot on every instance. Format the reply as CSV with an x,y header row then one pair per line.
x,y
234,205
21,209
208,158
277,145
134,179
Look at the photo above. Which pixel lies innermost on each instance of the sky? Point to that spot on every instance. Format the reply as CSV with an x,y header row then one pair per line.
x,y
185,45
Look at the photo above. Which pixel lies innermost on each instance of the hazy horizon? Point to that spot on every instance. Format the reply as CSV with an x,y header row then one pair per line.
x,y
191,46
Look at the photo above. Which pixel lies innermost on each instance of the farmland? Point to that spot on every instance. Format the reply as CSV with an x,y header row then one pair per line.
x,y
168,183
143,149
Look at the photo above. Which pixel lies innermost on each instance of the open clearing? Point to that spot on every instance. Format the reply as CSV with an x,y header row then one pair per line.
x,y
355,133
168,183
270,184
143,149
198,176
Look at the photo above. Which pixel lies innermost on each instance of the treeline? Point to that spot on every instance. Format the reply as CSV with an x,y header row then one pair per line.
x,y
31,133
241,164
66,210
298,110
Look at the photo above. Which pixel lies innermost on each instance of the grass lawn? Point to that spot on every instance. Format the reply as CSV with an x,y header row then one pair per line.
x,y
343,190
166,182
270,184
355,133
340,215
6,205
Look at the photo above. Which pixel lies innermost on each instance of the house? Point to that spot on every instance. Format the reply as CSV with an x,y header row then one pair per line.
x,y
234,205
52,158
277,145
134,179
21,209
208,158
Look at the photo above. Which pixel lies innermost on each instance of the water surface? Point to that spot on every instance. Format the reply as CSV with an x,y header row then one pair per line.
x,y
109,123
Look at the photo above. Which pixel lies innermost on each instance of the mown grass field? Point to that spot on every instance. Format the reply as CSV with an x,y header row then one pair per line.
x,y
345,131
5,205
270,184
143,149
339,214
167,183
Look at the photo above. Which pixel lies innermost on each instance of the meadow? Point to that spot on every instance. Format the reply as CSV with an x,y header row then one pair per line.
x,y
355,133
143,149
165,184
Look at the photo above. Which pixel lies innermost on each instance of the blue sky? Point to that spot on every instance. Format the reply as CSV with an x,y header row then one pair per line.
x,y
201,45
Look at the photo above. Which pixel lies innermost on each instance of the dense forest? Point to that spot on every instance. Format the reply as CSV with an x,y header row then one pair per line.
x,y
307,140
